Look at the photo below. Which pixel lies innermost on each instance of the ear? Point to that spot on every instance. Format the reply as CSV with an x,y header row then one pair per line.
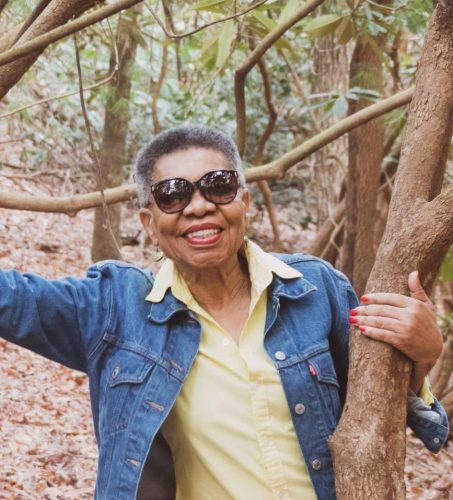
x,y
245,197
147,220
145,216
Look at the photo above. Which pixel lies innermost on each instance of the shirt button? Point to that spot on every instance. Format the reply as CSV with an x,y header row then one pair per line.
x,y
281,356
255,386
436,440
316,464
299,408
281,494
226,341
116,372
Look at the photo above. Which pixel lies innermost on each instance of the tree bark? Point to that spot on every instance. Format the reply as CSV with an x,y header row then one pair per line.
x,y
368,446
331,63
58,12
113,150
366,146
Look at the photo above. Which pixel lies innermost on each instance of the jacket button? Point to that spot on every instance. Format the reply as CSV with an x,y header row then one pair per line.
x,y
116,372
299,408
281,356
316,464
436,440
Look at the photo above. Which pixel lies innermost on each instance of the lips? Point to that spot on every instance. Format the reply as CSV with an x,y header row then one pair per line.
x,y
203,234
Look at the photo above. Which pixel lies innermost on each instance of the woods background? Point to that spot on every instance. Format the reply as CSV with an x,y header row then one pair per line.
x,y
316,95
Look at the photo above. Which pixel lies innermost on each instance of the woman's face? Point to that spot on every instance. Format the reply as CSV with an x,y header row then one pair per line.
x,y
203,235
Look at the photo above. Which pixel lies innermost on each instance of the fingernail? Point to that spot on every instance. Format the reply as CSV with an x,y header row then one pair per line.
x,y
353,320
353,312
364,298
362,328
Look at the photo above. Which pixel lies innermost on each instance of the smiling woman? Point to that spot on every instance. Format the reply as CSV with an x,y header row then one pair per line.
x,y
224,375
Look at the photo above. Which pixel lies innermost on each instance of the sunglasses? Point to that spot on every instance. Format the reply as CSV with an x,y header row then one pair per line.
x,y
173,195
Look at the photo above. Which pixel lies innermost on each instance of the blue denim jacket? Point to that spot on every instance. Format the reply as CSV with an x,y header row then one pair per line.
x,y
137,356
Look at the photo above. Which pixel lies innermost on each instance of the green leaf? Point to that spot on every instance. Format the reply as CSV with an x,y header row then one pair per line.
x,y
345,30
323,25
288,10
225,40
268,23
208,5
446,269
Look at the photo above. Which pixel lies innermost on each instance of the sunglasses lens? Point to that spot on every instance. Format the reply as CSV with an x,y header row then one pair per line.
x,y
220,186
172,195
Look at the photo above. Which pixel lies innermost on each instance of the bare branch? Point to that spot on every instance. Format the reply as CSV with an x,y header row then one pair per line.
x,y
158,87
253,58
65,204
3,5
57,97
42,41
278,168
178,36
32,18
100,179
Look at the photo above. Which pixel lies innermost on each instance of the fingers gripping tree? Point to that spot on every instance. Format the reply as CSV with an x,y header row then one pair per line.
x,y
369,444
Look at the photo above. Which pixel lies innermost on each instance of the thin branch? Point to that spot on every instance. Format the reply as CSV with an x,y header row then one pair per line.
x,y
42,41
263,185
278,168
253,58
57,97
169,19
31,19
3,5
98,165
158,87
177,36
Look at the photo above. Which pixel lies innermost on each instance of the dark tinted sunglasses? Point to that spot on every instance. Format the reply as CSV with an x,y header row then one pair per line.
x,y
173,195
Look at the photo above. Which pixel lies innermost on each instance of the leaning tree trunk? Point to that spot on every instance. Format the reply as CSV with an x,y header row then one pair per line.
x,y
368,447
113,150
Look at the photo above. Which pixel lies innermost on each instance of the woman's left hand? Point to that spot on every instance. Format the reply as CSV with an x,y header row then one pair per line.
x,y
407,323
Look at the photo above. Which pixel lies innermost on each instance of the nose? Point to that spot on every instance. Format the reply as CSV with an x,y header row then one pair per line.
x,y
199,205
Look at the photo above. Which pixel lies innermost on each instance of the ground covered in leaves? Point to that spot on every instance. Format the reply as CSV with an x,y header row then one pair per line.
x,y
47,445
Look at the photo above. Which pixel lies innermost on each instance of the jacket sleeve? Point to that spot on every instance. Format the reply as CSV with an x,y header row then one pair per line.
x,y
429,422
63,319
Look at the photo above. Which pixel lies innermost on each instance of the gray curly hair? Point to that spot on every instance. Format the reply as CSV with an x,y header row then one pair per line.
x,y
177,139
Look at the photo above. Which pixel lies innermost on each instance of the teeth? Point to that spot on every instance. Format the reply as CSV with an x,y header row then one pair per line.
x,y
203,233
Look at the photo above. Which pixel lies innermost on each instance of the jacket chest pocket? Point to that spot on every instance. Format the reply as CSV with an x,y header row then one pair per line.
x,y
126,373
321,371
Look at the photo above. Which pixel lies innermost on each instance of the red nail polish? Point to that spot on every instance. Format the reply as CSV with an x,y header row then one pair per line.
x,y
364,298
353,320
353,312
362,328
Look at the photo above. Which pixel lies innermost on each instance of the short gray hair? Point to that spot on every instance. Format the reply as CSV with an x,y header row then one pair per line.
x,y
178,139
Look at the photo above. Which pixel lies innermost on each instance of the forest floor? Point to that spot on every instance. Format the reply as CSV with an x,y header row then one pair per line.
x,y
47,445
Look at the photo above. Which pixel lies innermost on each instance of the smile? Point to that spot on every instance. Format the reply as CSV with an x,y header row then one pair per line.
x,y
202,233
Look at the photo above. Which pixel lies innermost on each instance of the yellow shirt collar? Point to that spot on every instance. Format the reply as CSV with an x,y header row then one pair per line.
x,y
261,265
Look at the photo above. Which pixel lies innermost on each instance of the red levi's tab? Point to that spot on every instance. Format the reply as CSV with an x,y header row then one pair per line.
x,y
312,370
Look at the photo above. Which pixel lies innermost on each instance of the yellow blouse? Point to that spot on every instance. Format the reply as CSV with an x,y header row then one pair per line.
x,y
230,430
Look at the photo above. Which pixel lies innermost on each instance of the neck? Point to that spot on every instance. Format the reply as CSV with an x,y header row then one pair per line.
x,y
212,288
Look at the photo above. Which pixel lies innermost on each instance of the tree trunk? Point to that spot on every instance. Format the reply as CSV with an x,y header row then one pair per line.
x,y
331,63
113,150
57,13
366,145
368,446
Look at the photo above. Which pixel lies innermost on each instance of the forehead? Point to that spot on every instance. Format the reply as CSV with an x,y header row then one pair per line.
x,y
189,164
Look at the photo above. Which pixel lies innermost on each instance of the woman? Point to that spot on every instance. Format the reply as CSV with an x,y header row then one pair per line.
x,y
230,360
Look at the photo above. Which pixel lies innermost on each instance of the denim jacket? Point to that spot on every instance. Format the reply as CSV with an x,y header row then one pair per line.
x,y
137,356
